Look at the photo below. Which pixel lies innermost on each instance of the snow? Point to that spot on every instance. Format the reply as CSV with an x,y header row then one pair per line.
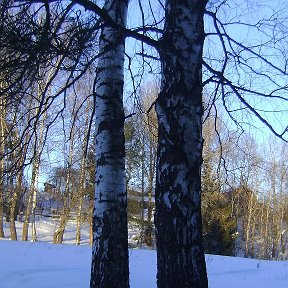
x,y
44,265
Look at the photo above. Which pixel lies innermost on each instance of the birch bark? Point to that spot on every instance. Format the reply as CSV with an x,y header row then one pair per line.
x,y
81,187
80,200
180,255
29,206
64,217
32,194
110,243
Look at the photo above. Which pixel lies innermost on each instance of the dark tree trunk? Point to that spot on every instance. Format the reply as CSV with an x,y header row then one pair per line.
x,y
181,261
1,215
2,235
2,165
110,244
13,206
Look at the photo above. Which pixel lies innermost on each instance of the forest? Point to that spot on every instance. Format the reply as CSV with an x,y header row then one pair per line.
x,y
244,183
168,118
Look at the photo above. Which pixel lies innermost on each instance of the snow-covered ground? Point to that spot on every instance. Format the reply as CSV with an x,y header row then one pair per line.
x,y
44,265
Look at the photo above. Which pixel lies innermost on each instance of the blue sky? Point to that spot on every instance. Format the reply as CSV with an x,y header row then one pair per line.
x,y
260,25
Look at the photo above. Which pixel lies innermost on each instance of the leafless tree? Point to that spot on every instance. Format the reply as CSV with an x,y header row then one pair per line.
x,y
233,68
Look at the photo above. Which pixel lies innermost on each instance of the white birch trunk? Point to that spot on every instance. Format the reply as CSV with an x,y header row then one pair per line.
x,y
30,203
34,199
110,234
32,194
36,168
148,234
248,225
81,187
180,254
80,201
59,232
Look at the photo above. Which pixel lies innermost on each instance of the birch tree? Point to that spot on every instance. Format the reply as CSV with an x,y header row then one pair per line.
x,y
230,71
110,246
180,254
151,128
15,195
65,211
18,155
32,193
74,41
82,182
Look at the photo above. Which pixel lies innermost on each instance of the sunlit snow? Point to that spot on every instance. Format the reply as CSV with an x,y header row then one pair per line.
x,y
44,265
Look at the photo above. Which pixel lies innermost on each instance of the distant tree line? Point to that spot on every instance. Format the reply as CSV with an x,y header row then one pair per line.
x,y
244,193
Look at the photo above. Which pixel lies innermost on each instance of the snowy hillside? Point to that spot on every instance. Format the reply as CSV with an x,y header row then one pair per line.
x,y
44,265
